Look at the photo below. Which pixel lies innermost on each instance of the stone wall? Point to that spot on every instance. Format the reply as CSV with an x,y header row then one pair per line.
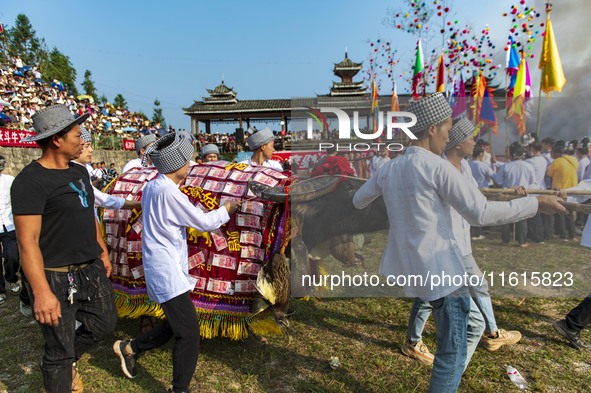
x,y
19,157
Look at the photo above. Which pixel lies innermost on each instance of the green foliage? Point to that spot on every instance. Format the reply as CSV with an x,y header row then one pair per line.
x,y
158,116
88,85
23,42
103,99
120,102
59,67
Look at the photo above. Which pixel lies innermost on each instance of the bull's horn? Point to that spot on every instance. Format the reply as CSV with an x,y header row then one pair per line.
x,y
303,191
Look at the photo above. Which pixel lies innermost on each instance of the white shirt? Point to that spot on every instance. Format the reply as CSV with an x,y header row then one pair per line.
x,y
516,173
540,165
585,185
482,173
460,226
268,163
6,219
136,162
376,162
583,163
419,190
166,212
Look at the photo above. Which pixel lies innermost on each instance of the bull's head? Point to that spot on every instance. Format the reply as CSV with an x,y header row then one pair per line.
x,y
302,191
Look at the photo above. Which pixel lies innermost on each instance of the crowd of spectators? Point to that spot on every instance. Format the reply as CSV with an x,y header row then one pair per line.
x,y
24,91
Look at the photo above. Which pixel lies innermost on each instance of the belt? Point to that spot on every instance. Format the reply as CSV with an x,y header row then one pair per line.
x,y
68,268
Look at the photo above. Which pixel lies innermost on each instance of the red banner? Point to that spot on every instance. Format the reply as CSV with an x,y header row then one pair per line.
x,y
305,159
12,138
128,144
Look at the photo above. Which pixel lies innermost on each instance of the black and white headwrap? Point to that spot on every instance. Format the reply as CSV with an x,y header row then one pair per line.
x,y
430,110
170,152
2,163
259,138
85,135
462,130
143,141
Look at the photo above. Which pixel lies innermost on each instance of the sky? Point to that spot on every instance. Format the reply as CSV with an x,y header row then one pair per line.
x,y
176,50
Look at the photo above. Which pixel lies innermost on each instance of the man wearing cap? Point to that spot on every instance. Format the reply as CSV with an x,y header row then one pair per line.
x,y
62,250
262,144
166,214
419,189
210,153
141,144
460,145
101,199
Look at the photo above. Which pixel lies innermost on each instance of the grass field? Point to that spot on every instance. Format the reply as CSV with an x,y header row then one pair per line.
x,y
365,333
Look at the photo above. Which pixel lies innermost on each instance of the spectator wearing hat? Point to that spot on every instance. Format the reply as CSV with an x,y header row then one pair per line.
x,y
9,264
516,173
210,153
262,144
166,214
421,240
101,199
141,144
460,145
62,250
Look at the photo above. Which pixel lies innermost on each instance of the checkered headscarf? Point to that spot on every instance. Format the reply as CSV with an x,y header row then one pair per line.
x,y
461,131
209,149
144,141
430,110
85,135
170,157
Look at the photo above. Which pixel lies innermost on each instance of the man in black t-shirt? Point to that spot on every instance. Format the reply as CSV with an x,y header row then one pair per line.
x,y
62,250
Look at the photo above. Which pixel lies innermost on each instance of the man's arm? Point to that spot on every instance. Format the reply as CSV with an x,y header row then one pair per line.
x,y
46,307
105,254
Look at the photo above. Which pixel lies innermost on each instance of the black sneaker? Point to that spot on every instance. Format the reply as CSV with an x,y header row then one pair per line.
x,y
128,362
572,336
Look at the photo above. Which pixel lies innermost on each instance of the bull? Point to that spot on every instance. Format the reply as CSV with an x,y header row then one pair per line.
x,y
326,222
322,206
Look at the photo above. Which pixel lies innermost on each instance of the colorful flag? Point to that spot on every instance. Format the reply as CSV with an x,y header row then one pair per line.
x,y
517,107
375,105
1,28
394,105
552,75
440,81
418,70
460,102
512,58
487,113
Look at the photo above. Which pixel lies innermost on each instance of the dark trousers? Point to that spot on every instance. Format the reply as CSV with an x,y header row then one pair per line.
x,y
564,225
535,228
182,324
548,224
520,232
93,306
10,259
580,316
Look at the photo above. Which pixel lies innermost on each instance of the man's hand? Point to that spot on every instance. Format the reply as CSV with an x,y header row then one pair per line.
x,y
550,204
107,262
520,190
232,206
46,309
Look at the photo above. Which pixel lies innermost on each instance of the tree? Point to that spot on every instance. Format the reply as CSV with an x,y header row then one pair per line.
x,y
120,102
88,85
23,42
158,116
59,67
103,99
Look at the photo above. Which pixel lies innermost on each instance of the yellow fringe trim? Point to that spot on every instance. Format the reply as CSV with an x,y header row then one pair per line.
x,y
211,324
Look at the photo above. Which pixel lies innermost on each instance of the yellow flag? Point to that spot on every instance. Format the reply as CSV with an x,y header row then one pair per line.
x,y
552,75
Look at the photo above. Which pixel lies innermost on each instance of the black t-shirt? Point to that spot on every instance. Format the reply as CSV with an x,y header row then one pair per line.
x,y
65,200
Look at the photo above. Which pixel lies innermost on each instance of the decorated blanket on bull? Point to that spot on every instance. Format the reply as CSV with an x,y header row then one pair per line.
x,y
225,262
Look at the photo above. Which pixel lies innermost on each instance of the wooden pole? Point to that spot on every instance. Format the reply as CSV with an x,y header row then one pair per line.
x,y
511,191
